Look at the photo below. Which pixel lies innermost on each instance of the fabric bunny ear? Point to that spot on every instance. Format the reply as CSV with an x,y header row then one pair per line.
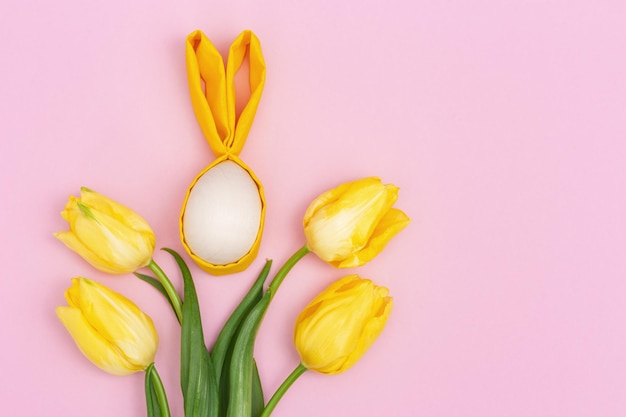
x,y
207,86
246,44
212,88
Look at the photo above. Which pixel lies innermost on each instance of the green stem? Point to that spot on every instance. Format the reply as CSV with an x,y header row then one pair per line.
x,y
160,392
169,289
271,404
284,270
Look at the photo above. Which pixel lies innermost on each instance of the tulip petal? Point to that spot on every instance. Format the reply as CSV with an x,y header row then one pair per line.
x,y
333,195
329,330
331,290
371,213
372,329
71,241
72,294
111,237
132,331
123,214
114,242
70,206
341,222
322,200
390,224
96,348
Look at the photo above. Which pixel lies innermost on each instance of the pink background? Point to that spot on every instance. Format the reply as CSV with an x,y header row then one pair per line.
x,y
503,123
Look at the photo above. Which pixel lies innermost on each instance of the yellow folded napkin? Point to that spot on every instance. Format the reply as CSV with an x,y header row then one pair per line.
x,y
218,220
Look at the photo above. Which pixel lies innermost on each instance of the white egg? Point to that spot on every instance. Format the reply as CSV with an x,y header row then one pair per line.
x,y
223,214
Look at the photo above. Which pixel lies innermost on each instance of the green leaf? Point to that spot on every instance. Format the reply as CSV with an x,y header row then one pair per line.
x,y
156,284
225,343
156,399
152,404
228,332
258,401
241,367
197,373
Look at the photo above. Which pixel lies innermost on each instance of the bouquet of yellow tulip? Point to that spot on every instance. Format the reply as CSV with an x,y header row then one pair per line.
x,y
346,227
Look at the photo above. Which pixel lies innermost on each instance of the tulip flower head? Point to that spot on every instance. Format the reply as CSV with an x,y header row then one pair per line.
x,y
108,328
108,235
340,324
351,224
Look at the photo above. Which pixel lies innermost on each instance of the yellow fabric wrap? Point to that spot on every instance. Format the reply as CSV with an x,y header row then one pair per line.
x,y
213,96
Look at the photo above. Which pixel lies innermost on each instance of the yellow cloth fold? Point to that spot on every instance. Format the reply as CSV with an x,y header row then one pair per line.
x,y
213,96
212,88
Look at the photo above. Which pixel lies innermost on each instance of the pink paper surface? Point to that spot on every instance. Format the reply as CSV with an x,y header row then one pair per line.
x,y
503,123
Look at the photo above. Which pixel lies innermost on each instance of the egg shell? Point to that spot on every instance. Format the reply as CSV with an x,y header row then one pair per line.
x,y
223,214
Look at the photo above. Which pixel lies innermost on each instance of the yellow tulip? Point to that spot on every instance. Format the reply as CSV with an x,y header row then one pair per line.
x,y
339,325
351,224
108,328
108,235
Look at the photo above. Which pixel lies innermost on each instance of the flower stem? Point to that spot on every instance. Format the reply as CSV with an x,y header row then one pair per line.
x,y
284,270
271,404
155,394
160,393
169,289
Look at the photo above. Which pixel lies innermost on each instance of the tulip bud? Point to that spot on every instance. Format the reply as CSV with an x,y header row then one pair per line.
x,y
340,324
108,328
351,224
108,235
